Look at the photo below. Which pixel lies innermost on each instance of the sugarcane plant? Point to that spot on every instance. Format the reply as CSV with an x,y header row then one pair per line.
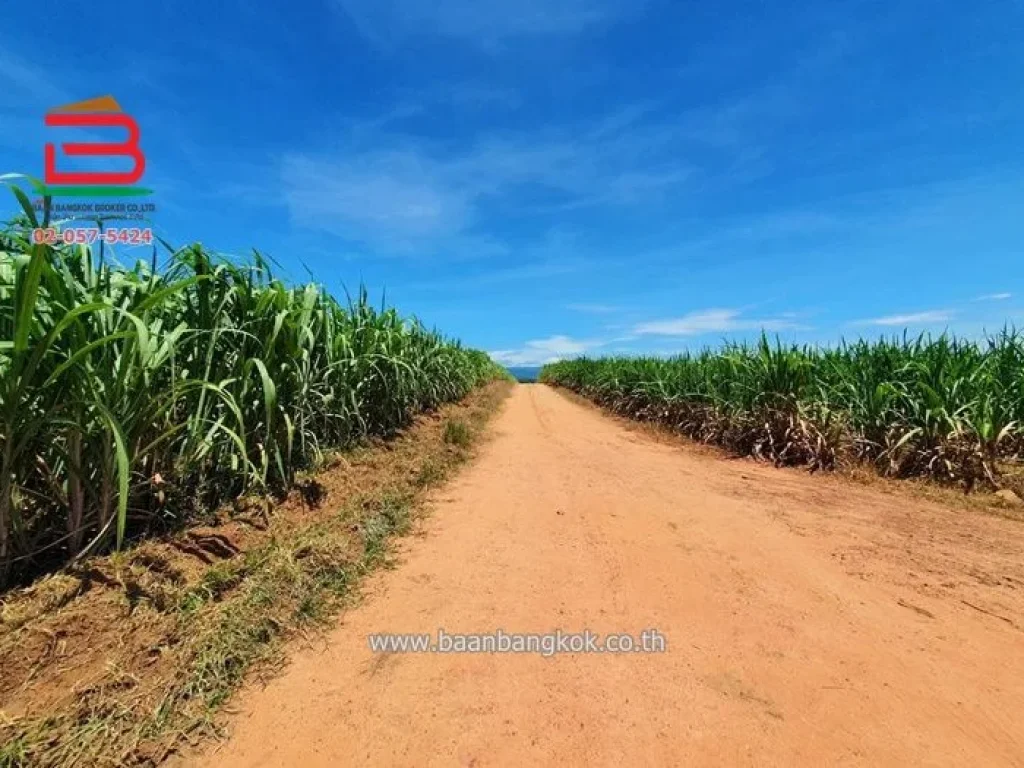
x,y
138,395
942,407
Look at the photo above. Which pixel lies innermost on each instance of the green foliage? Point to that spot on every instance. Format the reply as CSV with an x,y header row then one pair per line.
x,y
140,396
943,407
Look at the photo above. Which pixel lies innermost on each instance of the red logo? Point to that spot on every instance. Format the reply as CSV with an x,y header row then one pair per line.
x,y
102,112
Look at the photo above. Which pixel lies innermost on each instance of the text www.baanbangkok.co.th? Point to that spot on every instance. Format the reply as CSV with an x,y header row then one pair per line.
x,y
544,644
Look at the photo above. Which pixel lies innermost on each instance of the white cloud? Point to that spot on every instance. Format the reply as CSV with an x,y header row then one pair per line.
x,y
593,309
931,317
484,24
994,297
543,351
418,195
382,182
386,198
712,321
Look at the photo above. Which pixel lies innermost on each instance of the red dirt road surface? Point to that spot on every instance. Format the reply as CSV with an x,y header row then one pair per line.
x,y
809,620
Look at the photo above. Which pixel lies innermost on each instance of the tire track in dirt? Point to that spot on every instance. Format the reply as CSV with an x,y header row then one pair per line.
x,y
808,620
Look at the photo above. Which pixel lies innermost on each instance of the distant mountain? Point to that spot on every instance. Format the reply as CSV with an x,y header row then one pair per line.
x,y
525,375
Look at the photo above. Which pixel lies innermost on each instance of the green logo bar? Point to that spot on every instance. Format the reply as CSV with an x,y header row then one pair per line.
x,y
113,191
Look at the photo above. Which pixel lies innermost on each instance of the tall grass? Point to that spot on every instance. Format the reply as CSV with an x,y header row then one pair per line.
x,y
139,395
943,407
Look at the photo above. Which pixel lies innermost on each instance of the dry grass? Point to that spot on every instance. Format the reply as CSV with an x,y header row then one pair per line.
x,y
128,657
946,408
912,488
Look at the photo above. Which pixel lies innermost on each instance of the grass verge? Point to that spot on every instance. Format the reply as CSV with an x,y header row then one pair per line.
x,y
128,657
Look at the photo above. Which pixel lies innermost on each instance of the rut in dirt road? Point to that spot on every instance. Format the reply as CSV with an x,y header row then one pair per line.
x,y
808,620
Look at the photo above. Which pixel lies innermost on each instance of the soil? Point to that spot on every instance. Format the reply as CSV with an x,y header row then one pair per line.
x,y
103,639
809,620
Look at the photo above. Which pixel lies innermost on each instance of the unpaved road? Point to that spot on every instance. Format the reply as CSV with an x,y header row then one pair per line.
x,y
809,620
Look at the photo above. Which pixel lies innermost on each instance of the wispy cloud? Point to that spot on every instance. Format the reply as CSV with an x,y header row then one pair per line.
x,y
633,158
26,91
593,309
379,197
21,80
994,297
486,25
930,317
713,321
543,351
469,97
416,195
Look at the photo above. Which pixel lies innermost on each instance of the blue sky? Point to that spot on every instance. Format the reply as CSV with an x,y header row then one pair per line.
x,y
545,178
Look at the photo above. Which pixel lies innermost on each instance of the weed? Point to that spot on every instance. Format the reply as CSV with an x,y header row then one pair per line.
x,y
457,433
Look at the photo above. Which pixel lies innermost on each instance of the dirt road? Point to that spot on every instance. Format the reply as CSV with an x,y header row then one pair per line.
x,y
809,620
